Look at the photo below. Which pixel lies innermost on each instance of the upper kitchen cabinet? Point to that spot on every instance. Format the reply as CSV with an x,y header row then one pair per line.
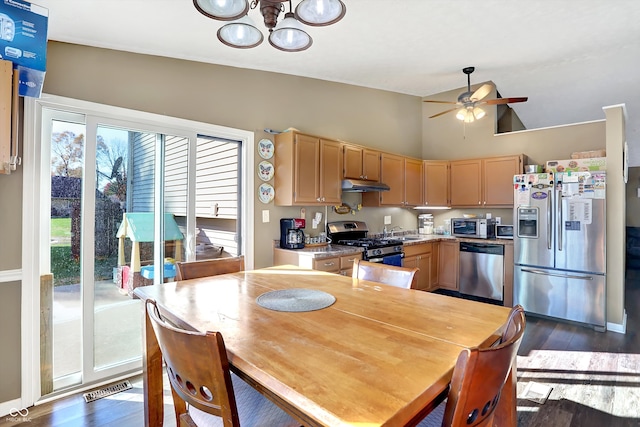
x,y
436,183
484,182
404,176
361,163
308,170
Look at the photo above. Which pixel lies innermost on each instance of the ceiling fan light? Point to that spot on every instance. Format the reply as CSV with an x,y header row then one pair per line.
x,y
319,13
223,10
461,114
289,35
478,113
241,34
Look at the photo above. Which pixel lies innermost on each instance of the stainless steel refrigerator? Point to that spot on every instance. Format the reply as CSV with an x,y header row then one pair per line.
x,y
559,245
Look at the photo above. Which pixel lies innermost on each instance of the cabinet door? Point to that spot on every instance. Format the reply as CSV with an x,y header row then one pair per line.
x,y
435,259
448,265
330,172
466,183
371,165
6,90
352,157
412,182
498,179
436,183
392,174
306,169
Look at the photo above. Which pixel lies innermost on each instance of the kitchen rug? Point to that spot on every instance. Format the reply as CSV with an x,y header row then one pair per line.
x,y
536,392
297,300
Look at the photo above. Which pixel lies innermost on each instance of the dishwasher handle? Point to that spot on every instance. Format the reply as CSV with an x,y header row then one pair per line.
x,y
482,248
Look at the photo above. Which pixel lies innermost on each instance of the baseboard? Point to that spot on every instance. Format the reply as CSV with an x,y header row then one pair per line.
x,y
12,411
617,327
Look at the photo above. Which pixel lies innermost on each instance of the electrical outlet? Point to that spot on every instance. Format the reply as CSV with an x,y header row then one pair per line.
x,y
265,215
303,213
387,219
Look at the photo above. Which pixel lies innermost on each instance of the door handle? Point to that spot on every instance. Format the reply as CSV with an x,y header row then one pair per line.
x,y
560,221
566,276
549,220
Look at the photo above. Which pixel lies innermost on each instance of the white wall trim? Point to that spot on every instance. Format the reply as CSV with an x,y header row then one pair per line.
x,y
10,276
617,327
11,405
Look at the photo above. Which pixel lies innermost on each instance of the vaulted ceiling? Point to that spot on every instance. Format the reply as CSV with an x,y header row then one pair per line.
x,y
570,57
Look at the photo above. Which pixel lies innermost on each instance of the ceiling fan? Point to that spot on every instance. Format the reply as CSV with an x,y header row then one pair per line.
x,y
468,105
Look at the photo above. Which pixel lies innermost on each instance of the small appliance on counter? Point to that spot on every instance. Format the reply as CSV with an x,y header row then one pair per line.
x,y
425,224
479,228
291,234
504,231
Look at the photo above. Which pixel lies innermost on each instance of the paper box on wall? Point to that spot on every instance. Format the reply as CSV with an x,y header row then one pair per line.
x,y
577,165
23,41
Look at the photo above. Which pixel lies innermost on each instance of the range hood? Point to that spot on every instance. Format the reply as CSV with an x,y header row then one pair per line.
x,y
361,186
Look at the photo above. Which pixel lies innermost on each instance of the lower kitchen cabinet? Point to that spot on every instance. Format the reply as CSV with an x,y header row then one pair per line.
x,y
448,265
423,256
342,264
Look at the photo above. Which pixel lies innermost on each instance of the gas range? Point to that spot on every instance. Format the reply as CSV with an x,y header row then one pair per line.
x,y
354,233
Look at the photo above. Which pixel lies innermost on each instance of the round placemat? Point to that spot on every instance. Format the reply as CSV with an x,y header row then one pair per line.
x,y
297,299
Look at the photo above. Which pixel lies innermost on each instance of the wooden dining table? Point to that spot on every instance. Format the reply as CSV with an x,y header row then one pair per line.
x,y
378,356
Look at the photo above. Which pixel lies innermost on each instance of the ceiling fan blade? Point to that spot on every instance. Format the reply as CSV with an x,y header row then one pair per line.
x,y
440,102
483,91
444,112
504,100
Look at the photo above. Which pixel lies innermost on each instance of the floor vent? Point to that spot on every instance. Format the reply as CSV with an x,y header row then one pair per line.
x,y
107,391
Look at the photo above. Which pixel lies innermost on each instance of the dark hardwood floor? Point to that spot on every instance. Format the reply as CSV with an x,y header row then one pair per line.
x,y
595,380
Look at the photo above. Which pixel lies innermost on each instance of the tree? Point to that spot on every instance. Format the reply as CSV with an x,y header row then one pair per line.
x,y
67,151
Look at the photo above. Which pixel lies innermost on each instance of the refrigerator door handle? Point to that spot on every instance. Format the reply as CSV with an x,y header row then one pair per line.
x,y
566,276
560,221
549,224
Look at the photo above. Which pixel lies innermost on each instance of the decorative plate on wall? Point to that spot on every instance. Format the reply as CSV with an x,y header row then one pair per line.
x,y
265,148
266,193
265,170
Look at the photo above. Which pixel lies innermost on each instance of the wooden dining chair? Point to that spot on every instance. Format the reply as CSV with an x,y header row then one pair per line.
x,y
478,379
205,392
383,273
209,267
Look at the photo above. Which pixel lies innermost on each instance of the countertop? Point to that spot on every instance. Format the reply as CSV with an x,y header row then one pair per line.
x,y
331,250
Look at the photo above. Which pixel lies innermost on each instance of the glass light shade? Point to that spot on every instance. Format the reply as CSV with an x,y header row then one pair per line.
x,y
223,10
241,34
470,114
289,35
320,12
478,113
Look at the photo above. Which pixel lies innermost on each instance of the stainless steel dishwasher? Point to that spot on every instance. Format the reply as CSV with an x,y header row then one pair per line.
x,y
482,270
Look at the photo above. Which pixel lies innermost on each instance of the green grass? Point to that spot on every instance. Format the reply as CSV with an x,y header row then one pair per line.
x,y
65,268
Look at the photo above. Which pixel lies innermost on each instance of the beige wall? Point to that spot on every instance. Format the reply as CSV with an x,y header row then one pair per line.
x,y
633,201
239,98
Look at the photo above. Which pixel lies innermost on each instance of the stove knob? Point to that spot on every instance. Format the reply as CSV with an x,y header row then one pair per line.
x,y
377,252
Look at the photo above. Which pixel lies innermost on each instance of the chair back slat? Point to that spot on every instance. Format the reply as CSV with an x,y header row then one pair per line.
x,y
209,267
480,375
388,274
197,367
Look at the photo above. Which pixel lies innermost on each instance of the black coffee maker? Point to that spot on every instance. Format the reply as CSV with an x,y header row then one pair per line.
x,y
291,234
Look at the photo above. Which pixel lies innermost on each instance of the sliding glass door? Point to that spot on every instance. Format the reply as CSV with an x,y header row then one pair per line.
x,y
116,199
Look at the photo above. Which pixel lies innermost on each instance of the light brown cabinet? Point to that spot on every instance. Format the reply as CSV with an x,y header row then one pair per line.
x,y
308,170
484,182
8,116
436,183
404,176
448,265
360,163
425,257
342,264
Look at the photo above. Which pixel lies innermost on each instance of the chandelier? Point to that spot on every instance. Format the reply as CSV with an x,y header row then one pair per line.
x,y
287,35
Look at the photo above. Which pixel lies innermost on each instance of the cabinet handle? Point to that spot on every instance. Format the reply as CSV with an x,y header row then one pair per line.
x,y
319,199
366,177
329,264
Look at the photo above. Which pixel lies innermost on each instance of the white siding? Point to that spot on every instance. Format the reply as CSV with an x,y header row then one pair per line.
x,y
142,180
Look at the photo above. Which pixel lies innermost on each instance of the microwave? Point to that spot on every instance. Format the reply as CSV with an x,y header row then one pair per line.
x,y
479,228
504,231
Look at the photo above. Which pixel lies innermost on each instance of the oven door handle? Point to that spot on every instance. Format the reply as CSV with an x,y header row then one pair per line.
x,y
381,258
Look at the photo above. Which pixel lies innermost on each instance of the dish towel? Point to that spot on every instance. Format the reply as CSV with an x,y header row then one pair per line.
x,y
393,260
